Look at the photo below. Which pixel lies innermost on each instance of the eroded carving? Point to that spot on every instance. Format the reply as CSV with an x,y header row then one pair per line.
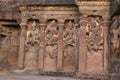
x,y
9,46
51,48
32,47
94,32
115,36
69,50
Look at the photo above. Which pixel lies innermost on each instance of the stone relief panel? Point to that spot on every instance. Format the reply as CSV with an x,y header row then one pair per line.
x,y
51,46
9,46
69,46
94,32
95,44
31,45
115,37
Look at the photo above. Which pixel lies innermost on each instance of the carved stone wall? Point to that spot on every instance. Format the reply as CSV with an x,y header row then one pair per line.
x,y
42,46
66,38
52,47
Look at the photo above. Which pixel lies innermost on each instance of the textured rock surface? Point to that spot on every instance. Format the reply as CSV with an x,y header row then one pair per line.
x,y
48,2
9,9
32,77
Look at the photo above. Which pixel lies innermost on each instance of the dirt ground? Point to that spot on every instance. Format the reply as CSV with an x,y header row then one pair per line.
x,y
19,76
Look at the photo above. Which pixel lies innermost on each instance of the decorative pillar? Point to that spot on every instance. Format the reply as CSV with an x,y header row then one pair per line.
x,y
22,46
41,47
82,45
106,44
77,33
60,48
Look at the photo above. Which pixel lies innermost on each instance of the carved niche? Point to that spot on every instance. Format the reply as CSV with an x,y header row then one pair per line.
x,y
94,35
32,45
9,46
69,46
51,45
95,44
115,36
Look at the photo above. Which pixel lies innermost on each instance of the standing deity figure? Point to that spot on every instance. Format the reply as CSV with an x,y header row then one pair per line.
x,y
51,46
32,47
94,31
115,38
69,47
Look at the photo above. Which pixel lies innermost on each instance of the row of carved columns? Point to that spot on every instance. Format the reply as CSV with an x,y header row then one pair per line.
x,y
81,60
42,26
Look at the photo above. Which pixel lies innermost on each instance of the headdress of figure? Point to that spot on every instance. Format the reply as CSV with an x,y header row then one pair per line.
x,y
33,25
115,22
69,24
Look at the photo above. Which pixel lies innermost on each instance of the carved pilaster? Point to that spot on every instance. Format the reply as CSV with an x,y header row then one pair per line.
x,y
106,44
77,33
82,45
22,46
41,47
60,48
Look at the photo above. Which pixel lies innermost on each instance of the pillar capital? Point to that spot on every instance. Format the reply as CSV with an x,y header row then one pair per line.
x,y
23,25
61,25
83,20
42,25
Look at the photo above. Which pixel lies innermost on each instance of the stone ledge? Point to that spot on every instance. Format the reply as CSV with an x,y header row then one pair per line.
x,y
98,3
